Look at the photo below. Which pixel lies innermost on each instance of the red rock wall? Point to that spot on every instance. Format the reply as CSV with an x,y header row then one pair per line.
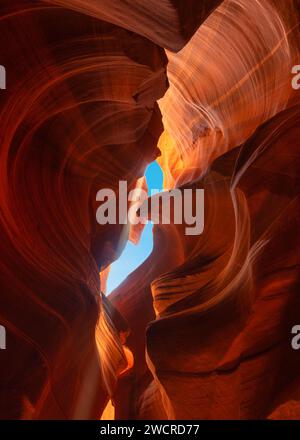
x,y
202,328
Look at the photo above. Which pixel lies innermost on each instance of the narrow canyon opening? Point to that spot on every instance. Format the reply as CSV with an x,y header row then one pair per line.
x,y
134,255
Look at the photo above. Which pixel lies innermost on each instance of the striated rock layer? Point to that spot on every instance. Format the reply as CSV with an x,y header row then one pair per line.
x,y
232,76
214,313
224,303
202,328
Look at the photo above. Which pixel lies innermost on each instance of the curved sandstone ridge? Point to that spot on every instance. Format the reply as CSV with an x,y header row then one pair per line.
x,y
218,334
233,75
168,23
202,328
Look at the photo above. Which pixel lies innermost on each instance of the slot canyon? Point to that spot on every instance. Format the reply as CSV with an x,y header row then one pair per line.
x,y
96,90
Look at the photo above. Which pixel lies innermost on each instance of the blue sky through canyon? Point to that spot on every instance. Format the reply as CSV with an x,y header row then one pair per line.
x,y
134,255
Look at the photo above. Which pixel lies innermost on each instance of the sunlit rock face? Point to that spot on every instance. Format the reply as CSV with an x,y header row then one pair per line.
x,y
234,74
95,91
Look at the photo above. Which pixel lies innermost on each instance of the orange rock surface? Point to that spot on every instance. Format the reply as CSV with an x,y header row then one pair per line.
x,y
96,90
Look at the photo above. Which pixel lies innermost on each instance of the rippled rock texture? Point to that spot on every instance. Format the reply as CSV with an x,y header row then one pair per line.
x,y
96,90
